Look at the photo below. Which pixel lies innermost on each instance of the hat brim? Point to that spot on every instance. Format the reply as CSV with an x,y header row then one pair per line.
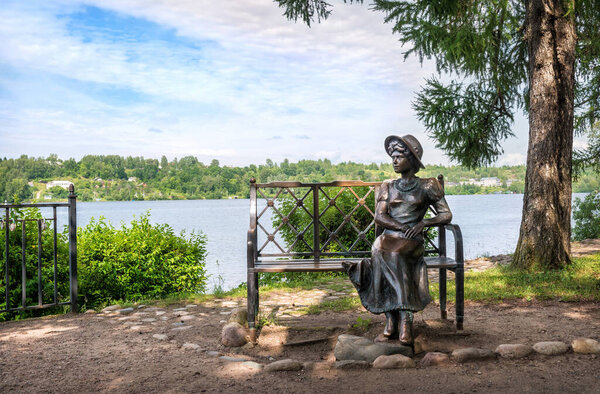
x,y
410,148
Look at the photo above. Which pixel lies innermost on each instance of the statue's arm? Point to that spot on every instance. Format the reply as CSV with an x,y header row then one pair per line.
x,y
443,216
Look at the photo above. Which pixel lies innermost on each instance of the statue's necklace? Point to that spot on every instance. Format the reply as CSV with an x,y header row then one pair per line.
x,y
406,186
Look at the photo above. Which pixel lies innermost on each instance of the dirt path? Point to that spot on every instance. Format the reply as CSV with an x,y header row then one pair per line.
x,y
176,349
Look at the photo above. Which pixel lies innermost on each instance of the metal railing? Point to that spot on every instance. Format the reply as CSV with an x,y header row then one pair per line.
x,y
313,201
11,224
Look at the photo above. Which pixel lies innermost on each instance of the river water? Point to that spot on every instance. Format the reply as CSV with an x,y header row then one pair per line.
x,y
489,224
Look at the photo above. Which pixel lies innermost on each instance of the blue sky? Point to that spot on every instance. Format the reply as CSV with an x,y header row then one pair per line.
x,y
229,79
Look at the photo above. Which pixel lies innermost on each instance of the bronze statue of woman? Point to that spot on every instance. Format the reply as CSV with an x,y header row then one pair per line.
x,y
394,281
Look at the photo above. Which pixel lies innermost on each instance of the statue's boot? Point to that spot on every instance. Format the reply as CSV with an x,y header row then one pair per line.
x,y
391,327
406,328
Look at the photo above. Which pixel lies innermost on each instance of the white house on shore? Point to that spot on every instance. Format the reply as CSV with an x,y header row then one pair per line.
x,y
63,184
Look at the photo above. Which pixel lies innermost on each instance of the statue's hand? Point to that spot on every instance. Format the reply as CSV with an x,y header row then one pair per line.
x,y
415,230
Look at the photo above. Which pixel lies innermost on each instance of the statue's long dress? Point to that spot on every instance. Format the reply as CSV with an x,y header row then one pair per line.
x,y
397,278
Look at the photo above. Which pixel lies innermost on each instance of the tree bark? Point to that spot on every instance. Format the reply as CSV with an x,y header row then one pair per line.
x,y
544,239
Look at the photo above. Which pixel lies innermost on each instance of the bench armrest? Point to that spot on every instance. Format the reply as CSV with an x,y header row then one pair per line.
x,y
251,247
458,243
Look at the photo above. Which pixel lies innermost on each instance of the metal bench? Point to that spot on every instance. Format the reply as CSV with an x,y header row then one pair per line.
x,y
315,202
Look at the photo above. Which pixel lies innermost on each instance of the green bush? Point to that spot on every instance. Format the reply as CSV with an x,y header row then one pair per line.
x,y
587,217
140,261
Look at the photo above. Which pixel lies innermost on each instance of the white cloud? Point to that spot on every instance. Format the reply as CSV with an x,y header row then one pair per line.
x,y
336,89
512,159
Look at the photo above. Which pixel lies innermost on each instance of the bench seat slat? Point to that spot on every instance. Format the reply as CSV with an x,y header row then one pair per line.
x,y
332,264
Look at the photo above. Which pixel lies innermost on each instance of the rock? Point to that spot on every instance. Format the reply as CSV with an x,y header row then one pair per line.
x,y
351,364
161,337
141,306
471,354
153,309
213,353
308,365
253,365
149,320
179,324
183,328
351,347
191,306
90,312
395,361
179,309
239,315
181,313
585,346
283,365
233,335
111,308
124,311
186,318
233,359
551,348
513,350
190,346
435,358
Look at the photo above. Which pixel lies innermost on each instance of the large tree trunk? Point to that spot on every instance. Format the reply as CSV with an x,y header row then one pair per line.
x,y
544,239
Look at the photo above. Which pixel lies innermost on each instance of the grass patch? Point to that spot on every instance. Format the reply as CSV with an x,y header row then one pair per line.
x,y
579,282
339,305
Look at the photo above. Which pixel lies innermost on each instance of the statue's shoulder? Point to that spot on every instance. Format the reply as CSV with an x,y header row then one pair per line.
x,y
387,182
433,188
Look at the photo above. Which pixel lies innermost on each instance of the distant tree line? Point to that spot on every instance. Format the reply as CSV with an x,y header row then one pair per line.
x,y
120,178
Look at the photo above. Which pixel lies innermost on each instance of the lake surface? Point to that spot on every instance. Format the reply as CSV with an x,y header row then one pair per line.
x,y
489,224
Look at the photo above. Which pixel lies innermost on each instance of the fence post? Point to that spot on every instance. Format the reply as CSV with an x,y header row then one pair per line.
x,y
73,247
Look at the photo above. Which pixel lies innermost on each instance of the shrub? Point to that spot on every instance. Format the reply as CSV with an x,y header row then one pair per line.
x,y
587,217
140,261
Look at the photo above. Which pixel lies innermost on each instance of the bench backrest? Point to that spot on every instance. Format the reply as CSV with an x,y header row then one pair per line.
x,y
316,220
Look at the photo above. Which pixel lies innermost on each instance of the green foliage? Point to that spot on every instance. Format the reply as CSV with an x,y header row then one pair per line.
x,y
362,324
143,260
578,282
485,44
348,218
31,217
588,158
586,214
188,178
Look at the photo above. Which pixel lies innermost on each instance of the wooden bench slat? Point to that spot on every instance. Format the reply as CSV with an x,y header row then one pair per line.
x,y
333,264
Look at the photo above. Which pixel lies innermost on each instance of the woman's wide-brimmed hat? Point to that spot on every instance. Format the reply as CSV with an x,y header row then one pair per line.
x,y
410,141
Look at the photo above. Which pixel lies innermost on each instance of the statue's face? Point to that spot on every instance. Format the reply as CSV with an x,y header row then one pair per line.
x,y
400,161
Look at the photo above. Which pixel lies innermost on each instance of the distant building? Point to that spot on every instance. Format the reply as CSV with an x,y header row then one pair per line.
x,y
63,184
493,181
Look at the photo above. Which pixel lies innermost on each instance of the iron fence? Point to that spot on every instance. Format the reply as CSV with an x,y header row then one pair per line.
x,y
11,224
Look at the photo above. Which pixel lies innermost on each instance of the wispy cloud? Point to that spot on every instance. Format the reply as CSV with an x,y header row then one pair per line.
x,y
102,76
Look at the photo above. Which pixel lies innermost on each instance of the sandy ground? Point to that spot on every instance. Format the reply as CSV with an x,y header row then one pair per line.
x,y
118,353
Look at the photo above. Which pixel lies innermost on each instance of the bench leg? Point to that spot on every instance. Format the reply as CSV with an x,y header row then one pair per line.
x,y
252,303
442,283
460,297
